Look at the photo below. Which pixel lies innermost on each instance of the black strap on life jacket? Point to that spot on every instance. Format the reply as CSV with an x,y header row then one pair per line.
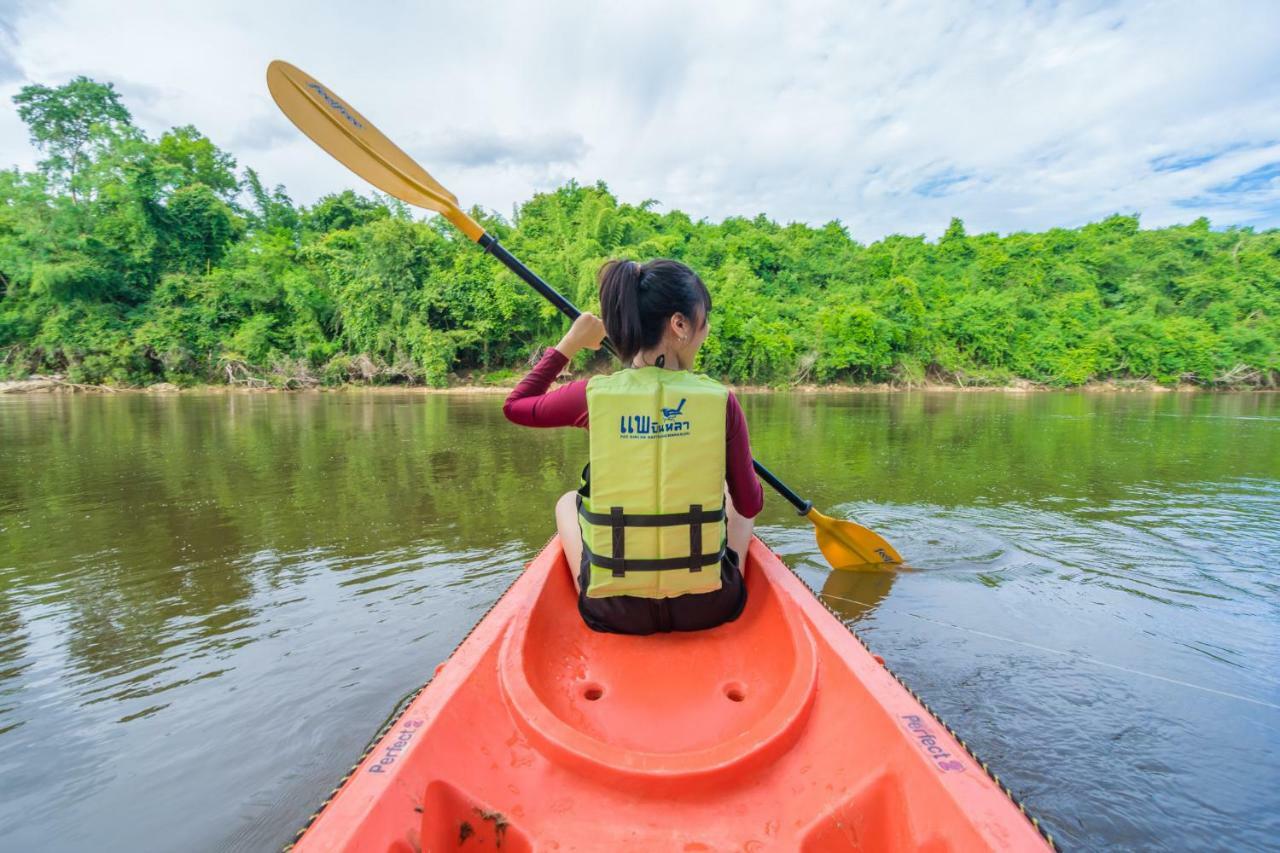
x,y
618,522
695,515
695,539
621,567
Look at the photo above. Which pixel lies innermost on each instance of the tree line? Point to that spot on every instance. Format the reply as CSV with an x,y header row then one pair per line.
x,y
129,260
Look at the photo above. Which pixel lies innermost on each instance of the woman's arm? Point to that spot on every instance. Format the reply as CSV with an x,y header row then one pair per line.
x,y
529,404
739,468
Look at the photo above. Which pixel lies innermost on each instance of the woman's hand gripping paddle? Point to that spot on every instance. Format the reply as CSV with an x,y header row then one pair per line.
x,y
340,129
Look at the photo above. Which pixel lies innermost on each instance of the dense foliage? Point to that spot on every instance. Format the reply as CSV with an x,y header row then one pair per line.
x,y
129,260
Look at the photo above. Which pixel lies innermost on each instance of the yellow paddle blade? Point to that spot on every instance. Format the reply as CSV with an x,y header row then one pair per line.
x,y
849,545
340,129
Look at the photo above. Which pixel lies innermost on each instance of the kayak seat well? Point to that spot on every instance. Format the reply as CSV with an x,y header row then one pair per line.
x,y
666,705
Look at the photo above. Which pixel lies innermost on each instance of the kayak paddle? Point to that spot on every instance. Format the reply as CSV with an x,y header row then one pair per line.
x,y
341,130
845,544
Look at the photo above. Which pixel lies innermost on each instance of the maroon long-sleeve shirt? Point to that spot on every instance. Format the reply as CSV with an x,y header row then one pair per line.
x,y
529,404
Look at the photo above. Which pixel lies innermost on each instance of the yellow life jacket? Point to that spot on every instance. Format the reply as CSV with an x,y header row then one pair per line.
x,y
653,524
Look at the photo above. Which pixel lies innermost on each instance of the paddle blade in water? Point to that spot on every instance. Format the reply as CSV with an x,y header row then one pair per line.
x,y
340,129
849,545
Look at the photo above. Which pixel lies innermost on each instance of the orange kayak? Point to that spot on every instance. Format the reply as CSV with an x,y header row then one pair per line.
x,y
779,731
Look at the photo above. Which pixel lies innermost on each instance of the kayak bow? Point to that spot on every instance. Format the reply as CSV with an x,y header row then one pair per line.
x,y
777,731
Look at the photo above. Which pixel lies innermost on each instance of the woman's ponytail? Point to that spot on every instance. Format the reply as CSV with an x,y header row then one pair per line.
x,y
636,301
620,306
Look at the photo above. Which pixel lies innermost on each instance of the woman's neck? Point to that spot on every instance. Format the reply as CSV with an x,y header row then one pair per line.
x,y
659,356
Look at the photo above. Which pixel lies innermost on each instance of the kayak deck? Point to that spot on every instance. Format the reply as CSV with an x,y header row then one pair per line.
x,y
776,731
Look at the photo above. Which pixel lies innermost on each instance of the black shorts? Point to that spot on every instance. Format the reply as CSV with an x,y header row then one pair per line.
x,y
630,614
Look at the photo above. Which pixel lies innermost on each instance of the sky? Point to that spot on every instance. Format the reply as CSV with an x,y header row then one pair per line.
x,y
890,117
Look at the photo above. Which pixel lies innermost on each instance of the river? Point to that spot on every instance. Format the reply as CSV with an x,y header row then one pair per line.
x,y
209,603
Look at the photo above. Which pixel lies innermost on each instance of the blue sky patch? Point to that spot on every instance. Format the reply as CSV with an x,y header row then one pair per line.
x,y
1174,163
939,184
1257,179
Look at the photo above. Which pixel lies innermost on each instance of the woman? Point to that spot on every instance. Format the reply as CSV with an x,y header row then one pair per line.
x,y
670,493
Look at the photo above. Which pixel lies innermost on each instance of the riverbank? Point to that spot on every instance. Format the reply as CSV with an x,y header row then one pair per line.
x,y
56,384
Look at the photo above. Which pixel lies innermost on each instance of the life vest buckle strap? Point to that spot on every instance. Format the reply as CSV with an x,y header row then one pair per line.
x,y
670,519
663,564
618,522
695,538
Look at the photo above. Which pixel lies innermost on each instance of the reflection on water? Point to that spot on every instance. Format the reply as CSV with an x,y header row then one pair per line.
x,y
855,594
209,603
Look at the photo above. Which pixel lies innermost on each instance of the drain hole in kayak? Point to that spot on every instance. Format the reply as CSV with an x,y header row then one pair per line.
x,y
592,692
734,692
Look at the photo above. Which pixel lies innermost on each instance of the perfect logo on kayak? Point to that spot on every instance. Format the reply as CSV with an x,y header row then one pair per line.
x,y
928,741
391,753
646,426
335,104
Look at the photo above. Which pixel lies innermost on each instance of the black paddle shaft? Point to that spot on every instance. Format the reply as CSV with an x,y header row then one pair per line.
x,y
491,245
802,506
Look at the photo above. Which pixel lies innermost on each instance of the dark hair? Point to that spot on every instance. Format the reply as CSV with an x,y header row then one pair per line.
x,y
636,300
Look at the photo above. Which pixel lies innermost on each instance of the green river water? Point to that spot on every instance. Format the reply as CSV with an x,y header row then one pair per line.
x,y
209,603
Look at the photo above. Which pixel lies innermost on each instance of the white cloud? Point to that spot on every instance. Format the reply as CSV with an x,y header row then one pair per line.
x,y
892,118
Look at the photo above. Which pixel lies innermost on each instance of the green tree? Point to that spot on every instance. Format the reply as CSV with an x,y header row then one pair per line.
x,y
201,227
185,157
71,124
